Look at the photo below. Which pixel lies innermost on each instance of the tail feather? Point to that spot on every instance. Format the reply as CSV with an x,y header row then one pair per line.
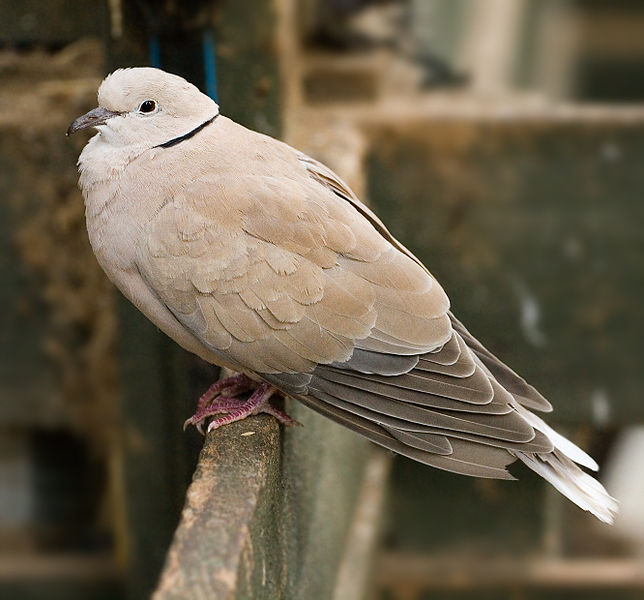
x,y
582,489
558,468
564,445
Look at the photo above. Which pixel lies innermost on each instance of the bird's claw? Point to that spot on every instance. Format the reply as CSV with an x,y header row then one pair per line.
x,y
220,399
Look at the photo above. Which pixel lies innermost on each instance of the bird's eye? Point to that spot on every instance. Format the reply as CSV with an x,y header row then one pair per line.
x,y
147,106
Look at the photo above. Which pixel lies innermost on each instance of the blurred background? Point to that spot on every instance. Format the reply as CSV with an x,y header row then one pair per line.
x,y
501,140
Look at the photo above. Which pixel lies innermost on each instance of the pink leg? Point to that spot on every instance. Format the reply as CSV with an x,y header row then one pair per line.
x,y
227,388
220,399
280,415
256,403
239,383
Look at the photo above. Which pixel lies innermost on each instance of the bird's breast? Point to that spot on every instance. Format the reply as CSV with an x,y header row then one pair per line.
x,y
120,200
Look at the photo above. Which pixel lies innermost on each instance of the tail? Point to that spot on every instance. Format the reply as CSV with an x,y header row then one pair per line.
x,y
560,469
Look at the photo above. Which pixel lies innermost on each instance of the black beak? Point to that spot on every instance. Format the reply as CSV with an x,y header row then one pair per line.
x,y
93,118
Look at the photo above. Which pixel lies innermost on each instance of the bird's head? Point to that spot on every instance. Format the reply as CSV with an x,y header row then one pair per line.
x,y
146,106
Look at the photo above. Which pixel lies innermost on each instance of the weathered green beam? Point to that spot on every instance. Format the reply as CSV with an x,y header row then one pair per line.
x,y
223,547
268,513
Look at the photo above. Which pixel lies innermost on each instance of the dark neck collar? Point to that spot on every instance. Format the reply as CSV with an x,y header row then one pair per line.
x,y
187,136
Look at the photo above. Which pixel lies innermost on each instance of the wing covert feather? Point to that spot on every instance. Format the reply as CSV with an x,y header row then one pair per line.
x,y
292,266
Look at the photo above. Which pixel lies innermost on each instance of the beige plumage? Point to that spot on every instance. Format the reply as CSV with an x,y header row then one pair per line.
x,y
258,258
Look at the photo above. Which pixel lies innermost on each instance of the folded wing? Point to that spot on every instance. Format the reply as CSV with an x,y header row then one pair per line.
x,y
293,279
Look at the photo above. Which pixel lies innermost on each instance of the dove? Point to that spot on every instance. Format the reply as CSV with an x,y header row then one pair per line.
x,y
258,258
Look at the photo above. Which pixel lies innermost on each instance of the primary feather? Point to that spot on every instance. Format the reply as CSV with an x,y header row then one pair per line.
x,y
257,257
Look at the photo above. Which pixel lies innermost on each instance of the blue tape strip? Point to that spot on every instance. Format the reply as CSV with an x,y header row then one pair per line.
x,y
154,48
210,65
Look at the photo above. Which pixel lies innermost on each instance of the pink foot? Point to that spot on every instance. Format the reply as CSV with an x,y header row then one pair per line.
x,y
219,393
221,399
